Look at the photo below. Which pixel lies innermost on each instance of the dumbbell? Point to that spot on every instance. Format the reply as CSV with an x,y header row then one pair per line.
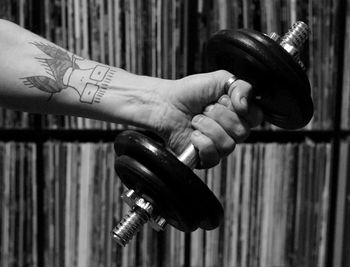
x,y
162,188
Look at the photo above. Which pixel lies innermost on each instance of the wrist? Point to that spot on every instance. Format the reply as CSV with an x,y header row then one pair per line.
x,y
135,99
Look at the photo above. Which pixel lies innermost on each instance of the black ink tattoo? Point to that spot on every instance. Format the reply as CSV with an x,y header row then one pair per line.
x,y
55,67
104,86
64,72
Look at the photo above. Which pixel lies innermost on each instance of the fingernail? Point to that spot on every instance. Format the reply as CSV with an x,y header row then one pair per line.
x,y
197,118
244,101
209,108
196,133
224,100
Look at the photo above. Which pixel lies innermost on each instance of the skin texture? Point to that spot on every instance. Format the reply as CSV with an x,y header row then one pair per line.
x,y
40,77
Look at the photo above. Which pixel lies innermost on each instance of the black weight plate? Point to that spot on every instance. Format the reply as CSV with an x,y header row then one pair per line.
x,y
194,196
146,184
280,82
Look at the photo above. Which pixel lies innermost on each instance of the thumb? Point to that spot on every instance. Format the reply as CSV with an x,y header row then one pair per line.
x,y
241,94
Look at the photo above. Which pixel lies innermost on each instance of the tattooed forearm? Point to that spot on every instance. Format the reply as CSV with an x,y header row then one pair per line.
x,y
64,71
104,86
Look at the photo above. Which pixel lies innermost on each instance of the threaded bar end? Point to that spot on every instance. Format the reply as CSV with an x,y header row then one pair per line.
x,y
129,226
297,35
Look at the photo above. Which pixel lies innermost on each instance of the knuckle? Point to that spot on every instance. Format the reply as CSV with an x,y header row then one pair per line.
x,y
220,77
218,108
243,87
222,73
241,132
218,112
228,147
207,145
246,85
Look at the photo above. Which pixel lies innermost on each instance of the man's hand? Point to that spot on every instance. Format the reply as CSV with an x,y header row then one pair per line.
x,y
197,109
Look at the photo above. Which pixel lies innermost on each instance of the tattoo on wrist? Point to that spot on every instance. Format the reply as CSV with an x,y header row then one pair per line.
x,y
65,71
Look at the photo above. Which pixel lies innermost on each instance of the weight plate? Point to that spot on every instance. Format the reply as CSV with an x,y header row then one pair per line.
x,y
147,185
188,192
281,85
